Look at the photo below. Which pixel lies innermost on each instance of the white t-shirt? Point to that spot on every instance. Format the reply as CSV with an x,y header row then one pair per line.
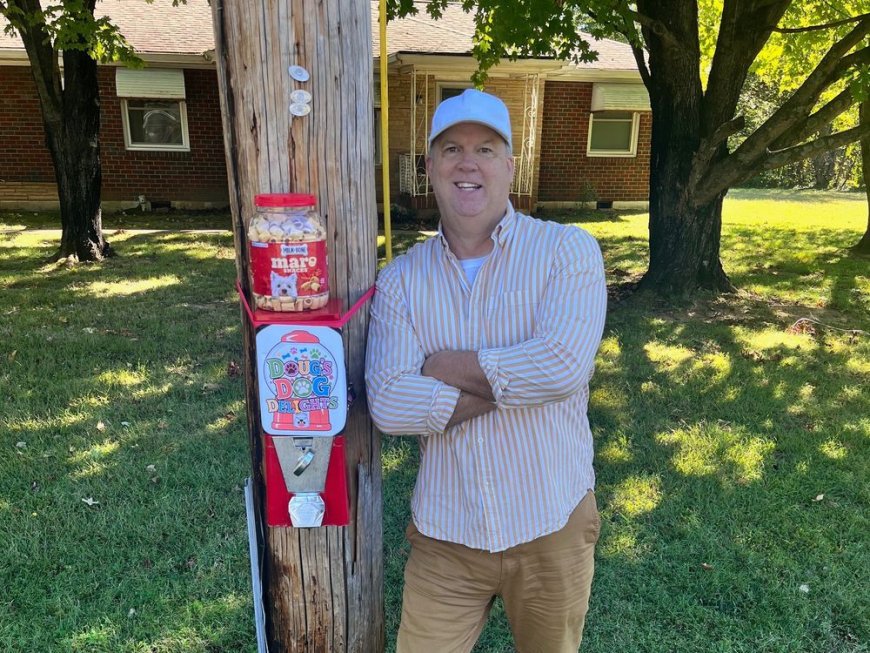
x,y
472,266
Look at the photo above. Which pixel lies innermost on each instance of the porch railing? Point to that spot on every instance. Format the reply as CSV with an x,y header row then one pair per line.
x,y
413,179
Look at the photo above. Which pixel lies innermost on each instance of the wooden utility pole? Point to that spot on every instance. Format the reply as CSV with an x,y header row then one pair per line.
x,y
323,586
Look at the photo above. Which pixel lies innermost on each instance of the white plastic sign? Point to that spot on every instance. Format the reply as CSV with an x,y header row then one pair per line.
x,y
303,389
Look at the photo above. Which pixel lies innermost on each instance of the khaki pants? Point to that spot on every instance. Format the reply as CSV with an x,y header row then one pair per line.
x,y
544,584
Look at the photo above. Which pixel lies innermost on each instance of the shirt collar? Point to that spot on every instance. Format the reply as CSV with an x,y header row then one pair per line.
x,y
499,234
504,228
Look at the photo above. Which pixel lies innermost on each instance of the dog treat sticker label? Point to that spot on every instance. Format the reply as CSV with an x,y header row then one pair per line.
x,y
302,383
296,269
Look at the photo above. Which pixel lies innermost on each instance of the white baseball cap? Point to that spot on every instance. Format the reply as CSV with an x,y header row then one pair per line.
x,y
472,106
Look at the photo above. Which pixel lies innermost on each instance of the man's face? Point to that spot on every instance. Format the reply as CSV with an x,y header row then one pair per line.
x,y
471,171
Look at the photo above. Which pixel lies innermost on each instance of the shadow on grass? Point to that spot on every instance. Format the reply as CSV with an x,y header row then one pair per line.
x,y
586,216
115,382
173,251
175,219
708,467
176,634
714,431
625,253
789,262
789,195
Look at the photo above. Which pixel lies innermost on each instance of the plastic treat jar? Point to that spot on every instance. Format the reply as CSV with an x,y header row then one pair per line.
x,y
287,250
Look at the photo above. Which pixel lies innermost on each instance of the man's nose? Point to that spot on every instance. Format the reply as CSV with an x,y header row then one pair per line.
x,y
468,161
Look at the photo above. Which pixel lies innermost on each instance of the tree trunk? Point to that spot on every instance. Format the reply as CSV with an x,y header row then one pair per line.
x,y
323,586
824,165
863,245
70,106
74,143
684,238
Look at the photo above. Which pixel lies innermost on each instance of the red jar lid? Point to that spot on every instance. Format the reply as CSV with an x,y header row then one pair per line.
x,y
284,199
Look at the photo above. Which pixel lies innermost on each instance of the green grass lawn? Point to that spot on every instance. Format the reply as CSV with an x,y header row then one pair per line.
x,y
115,391
732,444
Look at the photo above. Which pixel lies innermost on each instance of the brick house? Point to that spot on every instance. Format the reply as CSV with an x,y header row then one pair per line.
x,y
184,164
581,132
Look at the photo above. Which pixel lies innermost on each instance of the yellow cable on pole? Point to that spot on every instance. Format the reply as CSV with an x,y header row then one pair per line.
x,y
385,133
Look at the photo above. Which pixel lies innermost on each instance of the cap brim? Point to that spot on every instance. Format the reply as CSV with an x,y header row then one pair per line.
x,y
443,129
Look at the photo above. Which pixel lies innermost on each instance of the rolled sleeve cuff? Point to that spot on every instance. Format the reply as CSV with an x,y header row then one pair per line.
x,y
444,398
488,359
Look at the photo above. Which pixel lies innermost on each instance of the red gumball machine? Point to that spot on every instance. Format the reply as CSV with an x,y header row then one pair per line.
x,y
302,385
303,404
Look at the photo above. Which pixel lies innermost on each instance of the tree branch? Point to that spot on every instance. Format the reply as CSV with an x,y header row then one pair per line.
x,y
726,130
814,28
657,27
726,172
742,35
634,39
630,33
784,157
709,146
816,121
857,58
780,158
42,55
836,60
641,65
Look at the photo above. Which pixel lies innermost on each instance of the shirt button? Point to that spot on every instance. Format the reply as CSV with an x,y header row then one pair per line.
x,y
480,439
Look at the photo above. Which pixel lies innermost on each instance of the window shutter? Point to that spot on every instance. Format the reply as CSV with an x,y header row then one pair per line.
x,y
152,83
619,97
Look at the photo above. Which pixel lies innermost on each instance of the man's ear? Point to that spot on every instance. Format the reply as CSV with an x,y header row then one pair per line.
x,y
510,162
429,164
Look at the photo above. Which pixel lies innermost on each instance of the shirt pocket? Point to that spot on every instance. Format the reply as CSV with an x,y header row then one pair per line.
x,y
516,298
511,317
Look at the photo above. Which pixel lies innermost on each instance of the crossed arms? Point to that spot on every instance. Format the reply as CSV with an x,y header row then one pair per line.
x,y
461,369
411,391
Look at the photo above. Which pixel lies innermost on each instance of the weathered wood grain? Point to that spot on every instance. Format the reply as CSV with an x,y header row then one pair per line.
x,y
323,586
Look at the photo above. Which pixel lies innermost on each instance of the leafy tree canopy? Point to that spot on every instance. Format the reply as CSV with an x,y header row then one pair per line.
x,y
694,58
562,28
71,25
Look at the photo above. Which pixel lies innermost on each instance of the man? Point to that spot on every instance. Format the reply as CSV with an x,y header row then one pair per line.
x,y
482,341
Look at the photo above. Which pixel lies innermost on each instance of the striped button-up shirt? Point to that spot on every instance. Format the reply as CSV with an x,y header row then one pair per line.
x,y
535,315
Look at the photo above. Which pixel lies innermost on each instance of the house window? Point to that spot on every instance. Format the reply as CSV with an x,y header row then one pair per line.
x,y
613,133
155,124
447,90
153,108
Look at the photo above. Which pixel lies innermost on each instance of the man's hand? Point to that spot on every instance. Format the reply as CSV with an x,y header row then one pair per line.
x,y
461,370
468,407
